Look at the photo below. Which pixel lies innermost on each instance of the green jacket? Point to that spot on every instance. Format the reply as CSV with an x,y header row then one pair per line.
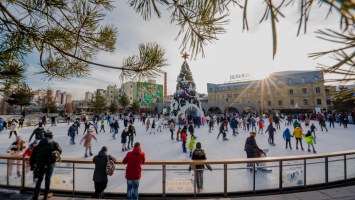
x,y
39,134
310,139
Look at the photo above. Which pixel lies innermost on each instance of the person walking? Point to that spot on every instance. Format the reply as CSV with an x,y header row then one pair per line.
x,y
322,124
313,130
100,177
251,148
153,127
38,132
73,129
134,160
199,154
115,127
20,122
184,140
191,144
261,126
42,163
87,141
297,133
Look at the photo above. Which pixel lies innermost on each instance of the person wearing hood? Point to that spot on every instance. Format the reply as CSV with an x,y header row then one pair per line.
x,y
87,143
287,136
100,177
199,154
134,160
16,148
38,132
41,162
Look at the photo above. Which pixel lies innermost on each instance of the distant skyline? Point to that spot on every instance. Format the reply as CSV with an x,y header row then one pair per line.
x,y
235,52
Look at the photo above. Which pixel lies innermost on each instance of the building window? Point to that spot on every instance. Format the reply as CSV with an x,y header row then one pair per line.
x,y
211,97
235,87
130,98
278,82
303,79
304,90
305,102
222,96
290,91
236,95
319,101
243,86
280,103
210,89
290,81
229,95
131,86
259,102
315,78
268,93
217,96
292,102
269,103
317,89
328,102
130,92
258,94
243,95
248,95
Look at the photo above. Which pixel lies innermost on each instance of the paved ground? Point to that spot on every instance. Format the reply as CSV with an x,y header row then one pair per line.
x,y
343,193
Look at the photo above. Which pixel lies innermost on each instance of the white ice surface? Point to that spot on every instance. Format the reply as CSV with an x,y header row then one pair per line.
x,y
159,146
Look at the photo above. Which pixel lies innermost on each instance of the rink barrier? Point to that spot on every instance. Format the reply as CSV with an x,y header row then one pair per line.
x,y
164,163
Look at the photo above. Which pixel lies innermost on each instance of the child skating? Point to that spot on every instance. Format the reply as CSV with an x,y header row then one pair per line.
x,y
87,143
184,139
287,136
313,130
191,145
310,140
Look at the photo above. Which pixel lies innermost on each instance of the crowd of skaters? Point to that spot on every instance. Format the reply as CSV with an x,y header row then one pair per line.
x,y
180,128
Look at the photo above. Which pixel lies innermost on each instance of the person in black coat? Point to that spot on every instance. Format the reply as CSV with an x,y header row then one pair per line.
x,y
41,163
251,148
199,154
222,130
191,130
132,133
71,132
124,135
87,125
271,131
100,177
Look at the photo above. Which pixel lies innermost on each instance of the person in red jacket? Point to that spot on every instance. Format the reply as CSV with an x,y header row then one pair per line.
x,y
134,160
184,140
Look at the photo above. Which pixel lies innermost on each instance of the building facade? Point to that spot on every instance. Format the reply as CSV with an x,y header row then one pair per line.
x,y
285,91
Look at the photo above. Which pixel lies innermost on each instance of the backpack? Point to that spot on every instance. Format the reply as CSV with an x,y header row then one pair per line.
x,y
54,156
110,167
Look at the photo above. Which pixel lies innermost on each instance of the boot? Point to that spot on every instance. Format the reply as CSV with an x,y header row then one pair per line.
x,y
47,196
86,156
90,154
123,149
35,197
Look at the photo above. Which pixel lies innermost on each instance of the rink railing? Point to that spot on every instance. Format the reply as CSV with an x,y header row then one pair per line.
x,y
229,177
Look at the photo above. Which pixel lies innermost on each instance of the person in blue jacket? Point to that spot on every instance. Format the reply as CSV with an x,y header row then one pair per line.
x,y
287,136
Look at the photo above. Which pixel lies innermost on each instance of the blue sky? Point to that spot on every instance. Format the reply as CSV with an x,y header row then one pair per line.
x,y
235,52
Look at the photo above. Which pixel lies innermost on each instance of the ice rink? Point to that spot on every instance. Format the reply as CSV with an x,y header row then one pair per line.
x,y
159,146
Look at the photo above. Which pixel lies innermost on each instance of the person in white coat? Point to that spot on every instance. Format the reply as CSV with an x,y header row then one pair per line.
x,y
16,148
13,128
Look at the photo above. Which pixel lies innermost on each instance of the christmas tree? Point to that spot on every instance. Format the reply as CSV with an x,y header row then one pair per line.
x,y
185,91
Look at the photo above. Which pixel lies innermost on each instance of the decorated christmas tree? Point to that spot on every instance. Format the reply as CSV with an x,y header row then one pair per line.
x,y
186,93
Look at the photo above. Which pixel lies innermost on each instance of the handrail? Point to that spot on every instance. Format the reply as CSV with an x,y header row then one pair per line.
x,y
253,165
193,162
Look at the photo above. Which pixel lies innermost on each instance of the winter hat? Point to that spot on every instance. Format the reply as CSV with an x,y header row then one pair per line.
x,y
198,145
40,124
104,148
137,144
